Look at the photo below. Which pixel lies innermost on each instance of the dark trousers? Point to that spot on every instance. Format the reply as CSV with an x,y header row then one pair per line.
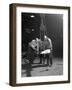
x,y
30,54
47,58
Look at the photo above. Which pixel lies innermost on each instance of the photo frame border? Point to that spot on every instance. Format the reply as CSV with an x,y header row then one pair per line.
x,y
12,43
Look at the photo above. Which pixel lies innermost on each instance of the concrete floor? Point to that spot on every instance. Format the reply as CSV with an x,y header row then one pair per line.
x,y
44,70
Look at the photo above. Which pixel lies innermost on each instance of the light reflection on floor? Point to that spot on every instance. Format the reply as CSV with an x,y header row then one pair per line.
x,y
44,70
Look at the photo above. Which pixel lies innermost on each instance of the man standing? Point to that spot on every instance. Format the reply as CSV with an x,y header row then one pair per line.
x,y
46,51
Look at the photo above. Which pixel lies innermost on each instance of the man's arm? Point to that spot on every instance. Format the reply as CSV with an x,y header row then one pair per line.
x,y
33,45
50,42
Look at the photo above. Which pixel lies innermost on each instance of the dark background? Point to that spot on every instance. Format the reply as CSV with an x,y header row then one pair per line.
x,y
54,27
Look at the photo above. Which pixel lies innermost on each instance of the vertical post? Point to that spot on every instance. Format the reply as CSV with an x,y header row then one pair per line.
x,y
42,27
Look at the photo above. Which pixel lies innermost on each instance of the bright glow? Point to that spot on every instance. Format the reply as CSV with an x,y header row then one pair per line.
x,y
45,36
32,29
32,16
